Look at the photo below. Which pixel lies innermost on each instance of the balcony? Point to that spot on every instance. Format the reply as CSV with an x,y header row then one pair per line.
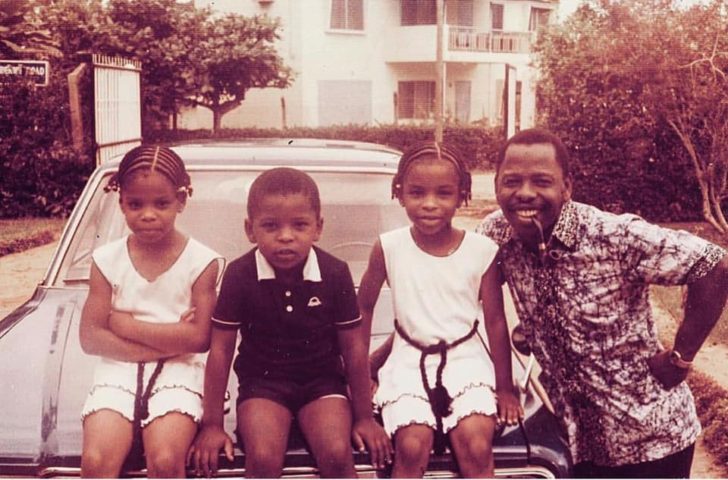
x,y
462,44
469,40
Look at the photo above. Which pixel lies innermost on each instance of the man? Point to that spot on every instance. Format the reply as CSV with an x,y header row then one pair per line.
x,y
579,278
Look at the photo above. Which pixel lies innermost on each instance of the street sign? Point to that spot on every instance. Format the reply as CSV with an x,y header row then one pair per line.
x,y
35,70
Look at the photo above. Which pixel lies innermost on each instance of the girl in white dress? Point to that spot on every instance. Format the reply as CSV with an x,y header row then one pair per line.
x,y
438,378
151,295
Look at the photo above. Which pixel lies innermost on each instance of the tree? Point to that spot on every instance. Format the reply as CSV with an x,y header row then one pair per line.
x,y
161,34
189,57
691,93
635,84
21,32
235,54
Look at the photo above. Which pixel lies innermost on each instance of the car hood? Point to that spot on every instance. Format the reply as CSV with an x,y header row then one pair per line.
x,y
46,377
33,340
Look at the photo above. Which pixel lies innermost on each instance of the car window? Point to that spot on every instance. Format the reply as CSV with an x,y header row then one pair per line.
x,y
356,207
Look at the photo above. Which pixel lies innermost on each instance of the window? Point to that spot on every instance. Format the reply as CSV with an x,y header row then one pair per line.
x,y
419,12
539,18
465,13
347,14
496,16
343,102
415,99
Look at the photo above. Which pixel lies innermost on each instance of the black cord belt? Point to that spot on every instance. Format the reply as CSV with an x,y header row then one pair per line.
x,y
440,400
141,404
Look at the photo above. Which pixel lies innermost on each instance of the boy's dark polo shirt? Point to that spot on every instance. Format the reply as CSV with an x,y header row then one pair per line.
x,y
288,331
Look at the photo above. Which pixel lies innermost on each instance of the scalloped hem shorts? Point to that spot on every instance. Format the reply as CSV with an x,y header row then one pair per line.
x,y
161,402
414,410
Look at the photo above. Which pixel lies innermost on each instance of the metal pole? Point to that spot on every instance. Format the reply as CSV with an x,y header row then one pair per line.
x,y
440,11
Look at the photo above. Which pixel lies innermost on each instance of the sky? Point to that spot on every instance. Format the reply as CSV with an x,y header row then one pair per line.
x,y
567,7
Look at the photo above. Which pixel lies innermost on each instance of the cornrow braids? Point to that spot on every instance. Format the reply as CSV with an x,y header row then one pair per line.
x,y
155,159
441,152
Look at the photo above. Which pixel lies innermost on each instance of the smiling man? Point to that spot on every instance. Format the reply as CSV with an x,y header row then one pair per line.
x,y
580,281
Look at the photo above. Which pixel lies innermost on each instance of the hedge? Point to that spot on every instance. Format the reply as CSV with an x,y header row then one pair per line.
x,y
478,145
649,176
41,174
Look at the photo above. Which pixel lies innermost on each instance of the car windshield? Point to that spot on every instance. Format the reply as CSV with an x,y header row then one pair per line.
x,y
356,207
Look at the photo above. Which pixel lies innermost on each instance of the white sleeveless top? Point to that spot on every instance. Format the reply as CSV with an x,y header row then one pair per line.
x,y
435,298
162,300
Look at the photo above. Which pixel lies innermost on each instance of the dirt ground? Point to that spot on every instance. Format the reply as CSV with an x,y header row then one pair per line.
x,y
20,273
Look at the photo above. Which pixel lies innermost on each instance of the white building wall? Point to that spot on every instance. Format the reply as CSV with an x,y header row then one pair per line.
x,y
372,60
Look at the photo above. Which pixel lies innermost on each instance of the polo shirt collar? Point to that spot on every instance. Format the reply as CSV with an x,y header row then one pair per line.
x,y
564,230
311,270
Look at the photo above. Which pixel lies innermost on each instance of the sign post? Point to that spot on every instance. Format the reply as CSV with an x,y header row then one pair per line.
x,y
35,70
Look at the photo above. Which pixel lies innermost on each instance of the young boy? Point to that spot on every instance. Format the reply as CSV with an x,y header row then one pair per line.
x,y
296,308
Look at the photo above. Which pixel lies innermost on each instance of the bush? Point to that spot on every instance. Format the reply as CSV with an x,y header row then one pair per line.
x,y
620,173
643,173
40,173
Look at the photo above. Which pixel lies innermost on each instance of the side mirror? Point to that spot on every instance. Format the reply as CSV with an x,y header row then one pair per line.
x,y
521,345
519,341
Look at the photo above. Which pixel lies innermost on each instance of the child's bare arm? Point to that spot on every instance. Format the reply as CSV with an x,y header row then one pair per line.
x,y
178,337
491,293
95,336
203,454
369,288
365,430
354,345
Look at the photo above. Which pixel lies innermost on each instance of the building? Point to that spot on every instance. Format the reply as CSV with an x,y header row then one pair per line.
x,y
374,61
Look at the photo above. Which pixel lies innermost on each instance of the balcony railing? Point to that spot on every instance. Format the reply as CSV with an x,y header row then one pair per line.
x,y
470,40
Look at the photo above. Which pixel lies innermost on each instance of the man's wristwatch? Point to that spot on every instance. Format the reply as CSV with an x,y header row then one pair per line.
x,y
677,360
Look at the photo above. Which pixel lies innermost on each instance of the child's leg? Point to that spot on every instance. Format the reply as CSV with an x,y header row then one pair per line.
x,y
412,445
472,442
166,442
263,426
107,438
326,424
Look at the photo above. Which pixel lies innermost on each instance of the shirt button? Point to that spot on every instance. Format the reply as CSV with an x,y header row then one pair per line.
x,y
288,293
289,308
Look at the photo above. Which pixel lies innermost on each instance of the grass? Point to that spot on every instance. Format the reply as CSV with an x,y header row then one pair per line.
x,y
17,235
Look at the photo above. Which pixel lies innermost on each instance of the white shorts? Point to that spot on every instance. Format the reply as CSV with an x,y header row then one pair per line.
x,y
410,409
178,388
161,403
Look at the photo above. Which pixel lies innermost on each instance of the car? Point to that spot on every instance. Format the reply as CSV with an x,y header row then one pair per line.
x,y
46,376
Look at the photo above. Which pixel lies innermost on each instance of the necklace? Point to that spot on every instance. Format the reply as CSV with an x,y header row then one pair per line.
x,y
450,251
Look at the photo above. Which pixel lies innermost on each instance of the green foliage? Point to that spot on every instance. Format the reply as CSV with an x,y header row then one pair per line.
x,y
161,34
478,145
188,56
40,174
607,77
21,32
236,53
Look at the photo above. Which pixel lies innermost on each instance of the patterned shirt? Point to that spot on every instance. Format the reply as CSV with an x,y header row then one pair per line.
x,y
587,317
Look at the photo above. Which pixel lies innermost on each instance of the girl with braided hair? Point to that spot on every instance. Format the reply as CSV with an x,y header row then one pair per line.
x,y
438,380
147,315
